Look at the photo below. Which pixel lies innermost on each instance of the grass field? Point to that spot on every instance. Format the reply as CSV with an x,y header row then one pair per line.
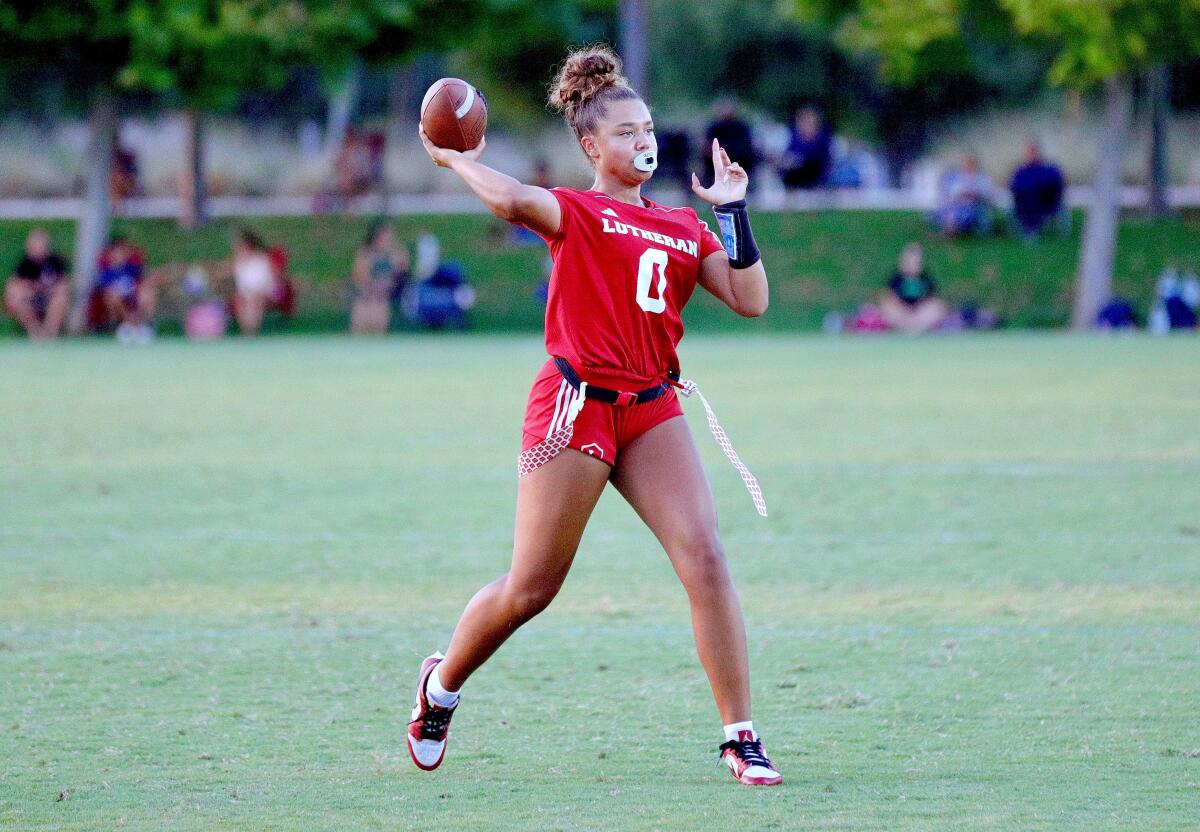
x,y
976,604
818,261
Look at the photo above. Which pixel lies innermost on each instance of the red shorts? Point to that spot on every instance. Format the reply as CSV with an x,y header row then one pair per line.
x,y
601,429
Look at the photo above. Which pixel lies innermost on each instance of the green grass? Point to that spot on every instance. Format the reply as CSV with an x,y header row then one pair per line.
x,y
830,260
974,605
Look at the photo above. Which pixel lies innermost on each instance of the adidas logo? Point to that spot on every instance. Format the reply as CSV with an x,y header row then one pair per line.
x,y
609,211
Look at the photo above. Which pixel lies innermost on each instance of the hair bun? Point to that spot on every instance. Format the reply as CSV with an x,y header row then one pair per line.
x,y
586,72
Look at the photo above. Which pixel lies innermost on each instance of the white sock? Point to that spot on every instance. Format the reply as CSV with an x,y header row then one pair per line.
x,y
437,694
735,730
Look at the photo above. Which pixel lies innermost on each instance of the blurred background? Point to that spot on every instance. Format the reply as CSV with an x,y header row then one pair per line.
x,y
215,167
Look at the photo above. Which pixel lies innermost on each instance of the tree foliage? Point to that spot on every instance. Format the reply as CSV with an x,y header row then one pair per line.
x,y
511,48
1102,38
209,51
86,38
1088,40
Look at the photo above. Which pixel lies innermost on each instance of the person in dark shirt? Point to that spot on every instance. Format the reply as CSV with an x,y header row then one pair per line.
x,y
38,294
910,303
809,154
1037,190
675,160
733,133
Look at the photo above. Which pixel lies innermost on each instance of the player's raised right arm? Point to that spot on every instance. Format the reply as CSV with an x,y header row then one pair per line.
x,y
503,195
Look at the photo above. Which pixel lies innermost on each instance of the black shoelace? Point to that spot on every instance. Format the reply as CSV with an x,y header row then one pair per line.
x,y
435,723
749,750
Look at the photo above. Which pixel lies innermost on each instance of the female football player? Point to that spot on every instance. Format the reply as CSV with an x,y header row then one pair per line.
x,y
604,407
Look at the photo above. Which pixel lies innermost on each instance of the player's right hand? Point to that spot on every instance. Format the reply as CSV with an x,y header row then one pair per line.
x,y
443,157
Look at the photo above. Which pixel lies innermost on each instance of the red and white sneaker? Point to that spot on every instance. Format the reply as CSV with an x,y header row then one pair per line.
x,y
430,724
748,762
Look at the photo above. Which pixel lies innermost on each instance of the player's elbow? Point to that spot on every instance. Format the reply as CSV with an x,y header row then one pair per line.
x,y
506,206
752,308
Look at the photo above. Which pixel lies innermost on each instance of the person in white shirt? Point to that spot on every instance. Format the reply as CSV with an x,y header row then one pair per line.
x,y
254,280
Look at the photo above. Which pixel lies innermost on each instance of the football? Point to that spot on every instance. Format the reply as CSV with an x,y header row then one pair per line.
x,y
454,114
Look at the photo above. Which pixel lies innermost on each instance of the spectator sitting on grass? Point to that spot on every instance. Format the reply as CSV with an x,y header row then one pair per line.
x,y
674,159
441,295
38,293
965,200
441,300
254,281
128,296
380,270
910,303
734,135
809,153
1037,190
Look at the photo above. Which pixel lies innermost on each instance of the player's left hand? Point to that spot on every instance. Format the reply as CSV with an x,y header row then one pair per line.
x,y
444,156
729,180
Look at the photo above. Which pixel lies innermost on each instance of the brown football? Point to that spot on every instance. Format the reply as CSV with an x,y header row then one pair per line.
x,y
454,114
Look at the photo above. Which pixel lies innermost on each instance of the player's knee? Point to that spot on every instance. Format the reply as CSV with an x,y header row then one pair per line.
x,y
702,563
525,602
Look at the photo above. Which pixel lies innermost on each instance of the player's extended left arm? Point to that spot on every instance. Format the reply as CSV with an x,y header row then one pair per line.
x,y
736,276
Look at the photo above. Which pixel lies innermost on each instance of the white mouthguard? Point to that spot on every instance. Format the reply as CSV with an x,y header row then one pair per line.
x,y
646,162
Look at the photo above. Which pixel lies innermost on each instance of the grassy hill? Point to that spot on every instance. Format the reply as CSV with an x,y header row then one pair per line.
x,y
817,261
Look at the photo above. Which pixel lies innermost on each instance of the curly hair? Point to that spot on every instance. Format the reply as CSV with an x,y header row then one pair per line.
x,y
590,80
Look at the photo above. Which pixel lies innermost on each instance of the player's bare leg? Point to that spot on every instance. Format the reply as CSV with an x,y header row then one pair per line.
x,y
553,506
661,476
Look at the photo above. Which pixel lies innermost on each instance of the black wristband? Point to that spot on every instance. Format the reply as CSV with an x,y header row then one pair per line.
x,y
736,235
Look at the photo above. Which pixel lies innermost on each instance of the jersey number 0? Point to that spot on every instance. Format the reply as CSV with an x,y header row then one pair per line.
x,y
652,260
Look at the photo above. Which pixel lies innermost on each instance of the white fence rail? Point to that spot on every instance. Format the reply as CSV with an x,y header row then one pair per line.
x,y
1178,196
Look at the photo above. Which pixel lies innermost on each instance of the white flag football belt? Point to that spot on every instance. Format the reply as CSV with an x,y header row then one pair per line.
x,y
541,453
688,387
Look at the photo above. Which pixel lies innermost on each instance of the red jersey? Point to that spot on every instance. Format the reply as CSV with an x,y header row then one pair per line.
x,y
622,275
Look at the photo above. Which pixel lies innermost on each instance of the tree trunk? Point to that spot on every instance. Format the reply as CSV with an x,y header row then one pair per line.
x,y
1160,114
401,96
193,193
1093,285
340,111
400,101
95,218
633,44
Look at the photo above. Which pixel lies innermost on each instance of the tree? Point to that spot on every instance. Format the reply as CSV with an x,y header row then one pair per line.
x,y
512,47
632,43
90,41
1098,44
203,53
774,62
1106,44
206,53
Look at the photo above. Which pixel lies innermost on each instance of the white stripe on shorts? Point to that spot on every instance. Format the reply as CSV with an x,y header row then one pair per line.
x,y
558,408
572,397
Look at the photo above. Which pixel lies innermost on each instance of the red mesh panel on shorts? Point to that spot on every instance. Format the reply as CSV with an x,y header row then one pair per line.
x,y
534,458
